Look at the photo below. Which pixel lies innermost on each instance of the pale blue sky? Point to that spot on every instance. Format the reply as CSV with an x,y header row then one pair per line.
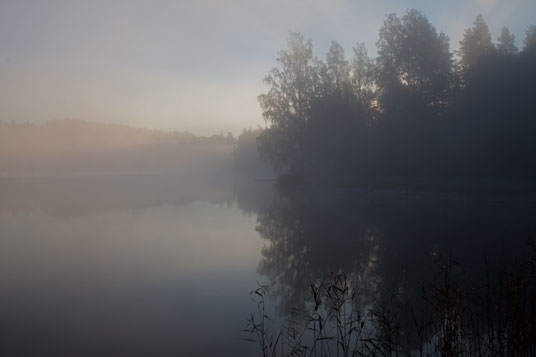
x,y
187,65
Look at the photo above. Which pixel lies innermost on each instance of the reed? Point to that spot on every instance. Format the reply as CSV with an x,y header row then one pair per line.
x,y
451,316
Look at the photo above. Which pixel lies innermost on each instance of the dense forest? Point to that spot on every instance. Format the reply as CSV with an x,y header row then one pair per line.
x,y
416,110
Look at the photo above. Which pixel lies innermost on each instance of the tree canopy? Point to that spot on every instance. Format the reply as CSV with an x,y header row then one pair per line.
x,y
414,110
476,43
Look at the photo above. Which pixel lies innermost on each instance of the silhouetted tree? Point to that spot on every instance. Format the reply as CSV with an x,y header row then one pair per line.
x,y
476,43
414,67
337,70
315,116
506,42
412,111
413,56
288,102
363,75
530,38
338,119
492,114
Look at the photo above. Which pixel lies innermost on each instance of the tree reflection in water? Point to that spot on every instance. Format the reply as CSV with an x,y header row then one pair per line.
x,y
396,251
307,241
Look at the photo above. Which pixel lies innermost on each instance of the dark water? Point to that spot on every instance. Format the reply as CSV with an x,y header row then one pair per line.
x,y
163,266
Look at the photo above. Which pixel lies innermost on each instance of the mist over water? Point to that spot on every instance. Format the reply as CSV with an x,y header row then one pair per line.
x,y
388,202
147,269
138,265
76,147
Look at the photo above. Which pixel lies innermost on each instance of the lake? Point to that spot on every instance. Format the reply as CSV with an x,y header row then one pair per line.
x,y
164,265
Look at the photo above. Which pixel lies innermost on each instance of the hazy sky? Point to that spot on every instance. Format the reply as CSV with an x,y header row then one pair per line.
x,y
187,65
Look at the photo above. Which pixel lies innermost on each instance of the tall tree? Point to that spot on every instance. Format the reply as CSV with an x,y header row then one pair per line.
x,y
507,42
293,86
411,54
476,43
337,68
362,75
530,38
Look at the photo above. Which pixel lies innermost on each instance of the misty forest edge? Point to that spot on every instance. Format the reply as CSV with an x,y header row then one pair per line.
x,y
414,111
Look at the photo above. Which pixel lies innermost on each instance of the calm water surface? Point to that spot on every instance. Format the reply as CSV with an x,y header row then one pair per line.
x,y
164,265
124,266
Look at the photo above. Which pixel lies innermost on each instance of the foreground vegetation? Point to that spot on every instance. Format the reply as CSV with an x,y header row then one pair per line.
x,y
451,316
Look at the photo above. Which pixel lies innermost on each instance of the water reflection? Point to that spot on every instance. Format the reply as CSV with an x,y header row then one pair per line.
x,y
159,265
74,196
388,240
124,265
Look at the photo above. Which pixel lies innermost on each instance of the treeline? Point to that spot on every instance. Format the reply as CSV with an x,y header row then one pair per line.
x,y
77,146
416,110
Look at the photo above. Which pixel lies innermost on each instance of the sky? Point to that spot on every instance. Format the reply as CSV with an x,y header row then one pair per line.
x,y
188,65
